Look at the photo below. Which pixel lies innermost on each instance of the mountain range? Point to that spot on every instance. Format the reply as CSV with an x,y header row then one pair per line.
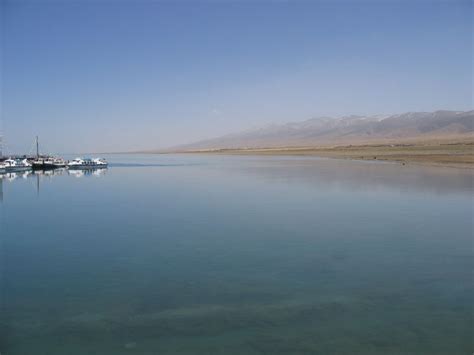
x,y
353,129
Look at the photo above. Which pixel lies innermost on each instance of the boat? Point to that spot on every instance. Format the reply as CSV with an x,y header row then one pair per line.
x,y
14,165
3,168
47,163
85,163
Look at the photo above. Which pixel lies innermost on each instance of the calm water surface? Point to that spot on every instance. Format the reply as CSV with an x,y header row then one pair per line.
x,y
237,255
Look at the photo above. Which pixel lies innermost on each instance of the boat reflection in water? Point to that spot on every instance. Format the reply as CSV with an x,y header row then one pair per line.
x,y
10,176
36,176
50,172
87,172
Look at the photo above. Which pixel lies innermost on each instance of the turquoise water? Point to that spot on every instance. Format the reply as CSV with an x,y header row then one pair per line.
x,y
237,255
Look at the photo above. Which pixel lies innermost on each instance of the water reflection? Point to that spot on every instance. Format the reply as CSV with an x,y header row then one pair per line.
x,y
15,175
359,175
87,172
312,172
237,256
50,172
9,177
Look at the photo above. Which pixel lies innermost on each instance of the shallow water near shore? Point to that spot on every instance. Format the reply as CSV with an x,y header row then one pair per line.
x,y
202,254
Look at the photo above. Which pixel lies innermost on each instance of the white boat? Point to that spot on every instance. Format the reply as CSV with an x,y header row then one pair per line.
x,y
13,165
3,168
84,163
101,163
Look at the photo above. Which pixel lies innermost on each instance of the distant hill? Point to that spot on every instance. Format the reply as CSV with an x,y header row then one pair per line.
x,y
348,130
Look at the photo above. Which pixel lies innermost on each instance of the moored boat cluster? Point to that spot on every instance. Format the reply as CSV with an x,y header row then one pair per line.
x,y
15,164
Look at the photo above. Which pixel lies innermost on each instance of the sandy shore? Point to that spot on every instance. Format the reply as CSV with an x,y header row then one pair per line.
x,y
453,154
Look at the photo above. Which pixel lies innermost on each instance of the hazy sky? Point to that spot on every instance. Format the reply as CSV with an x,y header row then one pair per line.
x,y
109,75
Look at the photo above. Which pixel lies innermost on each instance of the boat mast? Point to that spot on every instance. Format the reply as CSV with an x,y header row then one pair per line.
x,y
37,148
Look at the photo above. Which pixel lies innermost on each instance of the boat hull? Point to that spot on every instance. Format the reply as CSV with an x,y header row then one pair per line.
x,y
16,169
40,166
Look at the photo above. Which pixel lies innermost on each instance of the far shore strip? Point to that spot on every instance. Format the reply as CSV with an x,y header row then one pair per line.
x,y
452,154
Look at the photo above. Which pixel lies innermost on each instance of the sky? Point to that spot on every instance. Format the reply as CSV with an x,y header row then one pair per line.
x,y
104,75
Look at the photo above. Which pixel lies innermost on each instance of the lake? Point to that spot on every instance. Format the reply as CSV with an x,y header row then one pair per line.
x,y
203,254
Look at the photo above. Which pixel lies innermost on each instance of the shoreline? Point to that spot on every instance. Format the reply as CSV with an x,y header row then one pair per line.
x,y
453,155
